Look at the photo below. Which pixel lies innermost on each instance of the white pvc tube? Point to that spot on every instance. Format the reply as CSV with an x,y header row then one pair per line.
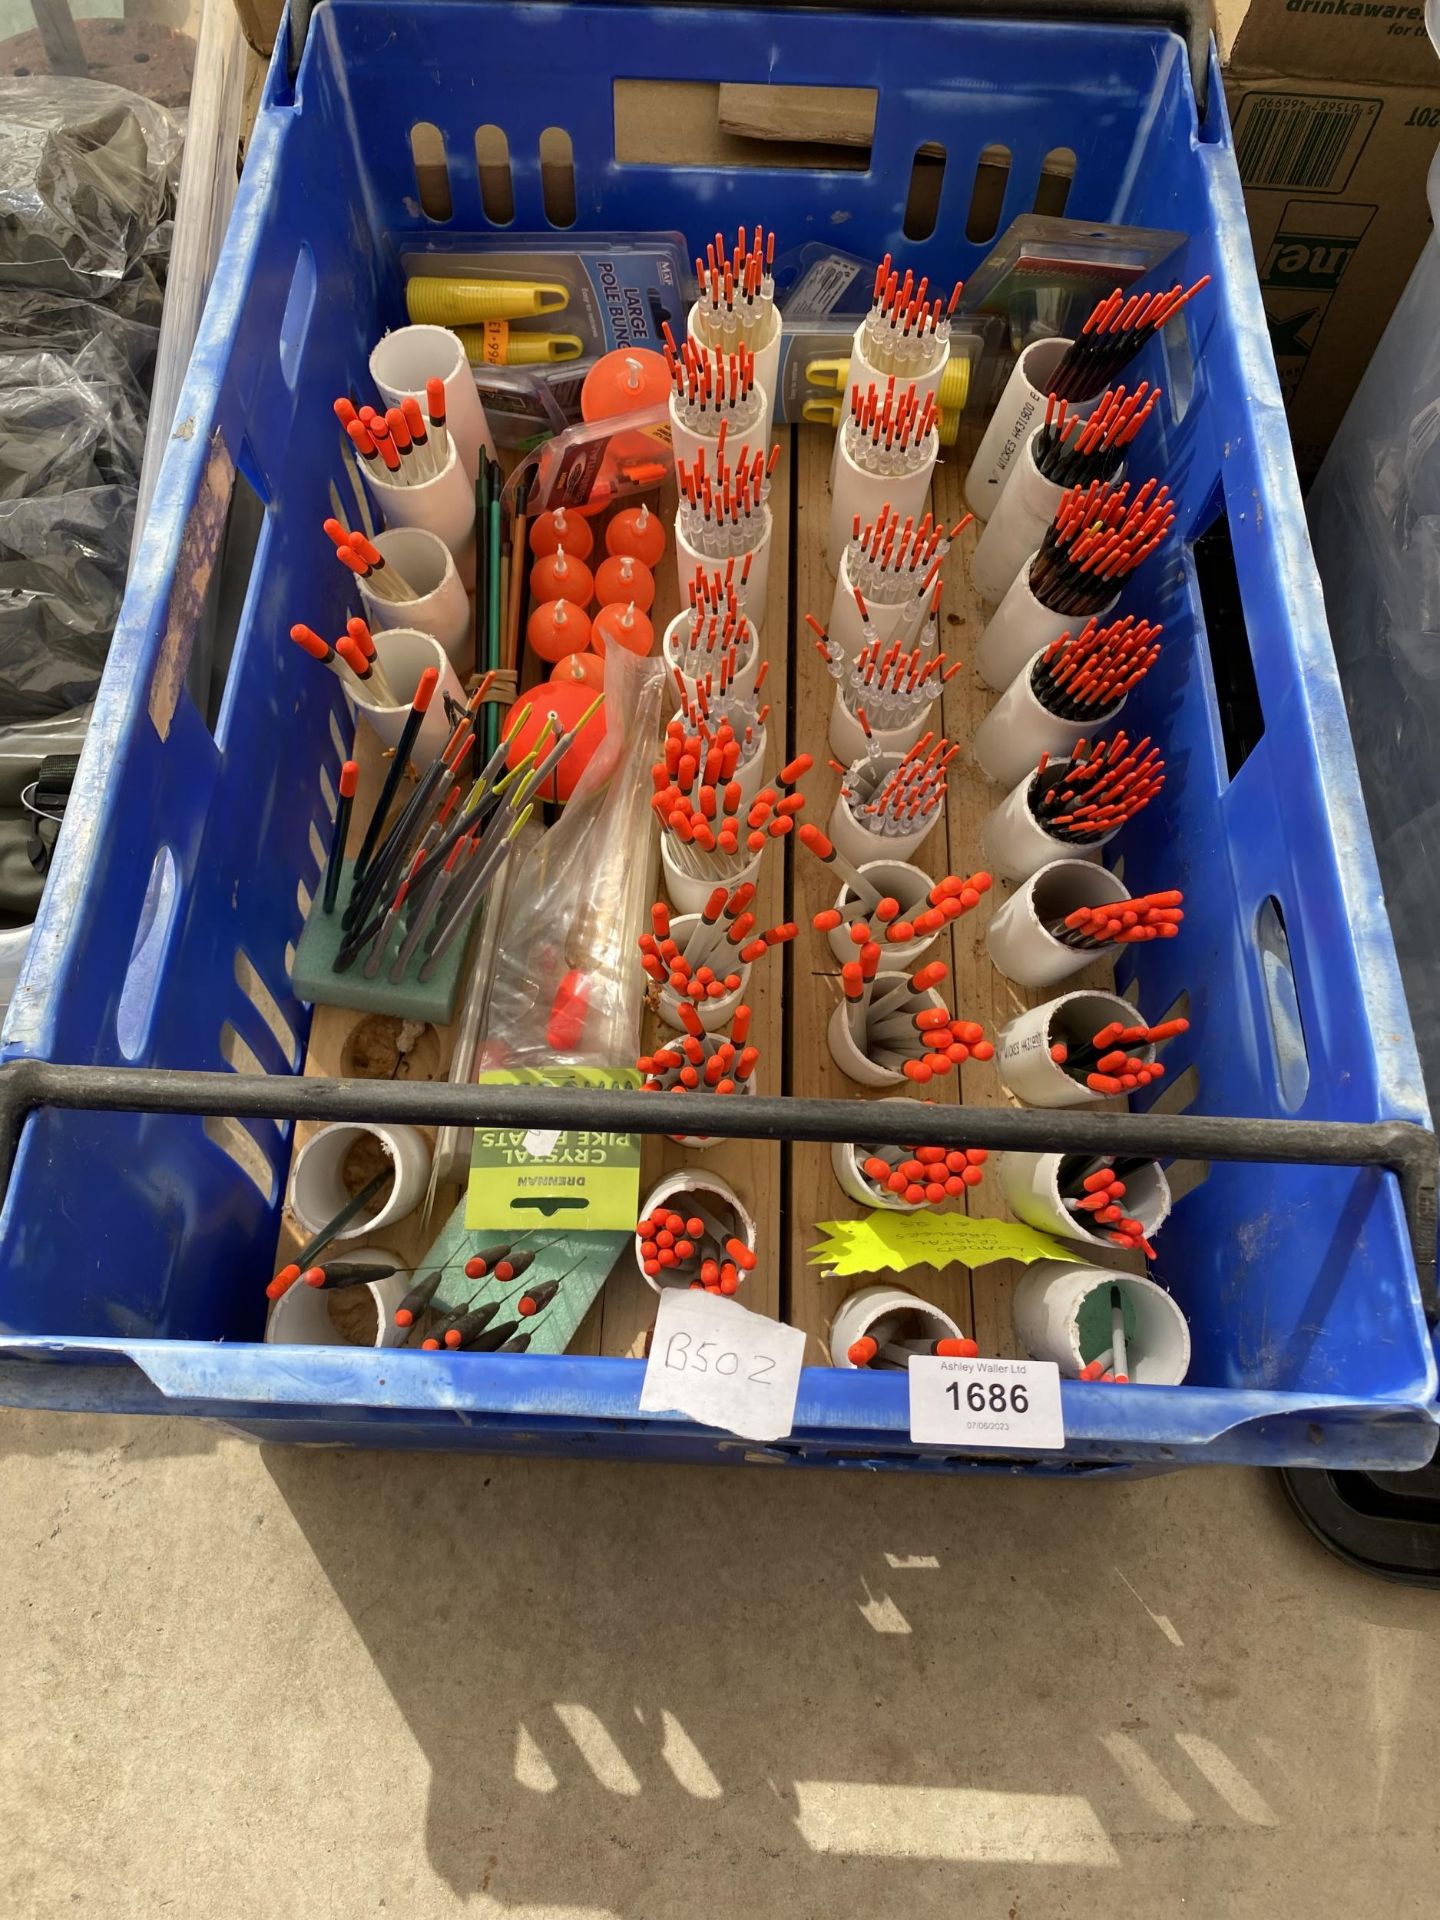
x,y
1015,845
1019,413
846,628
861,373
750,774
443,506
688,893
750,592
301,1316
767,368
1017,527
703,1141
856,491
767,375
1030,1183
1022,1049
847,736
745,430
1010,739
714,1194
853,1061
856,842
747,647
404,656
886,1313
318,1191
847,1160
1022,625
714,1014
1019,940
402,363
899,881
1047,1302
440,606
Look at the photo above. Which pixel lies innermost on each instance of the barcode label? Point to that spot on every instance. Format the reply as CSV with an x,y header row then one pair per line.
x,y
1301,139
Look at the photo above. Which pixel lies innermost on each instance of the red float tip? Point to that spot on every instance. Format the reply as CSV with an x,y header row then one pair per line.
x,y
349,779
310,641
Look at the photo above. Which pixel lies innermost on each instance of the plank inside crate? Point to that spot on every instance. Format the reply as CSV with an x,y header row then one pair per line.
x,y
752,1168
980,1302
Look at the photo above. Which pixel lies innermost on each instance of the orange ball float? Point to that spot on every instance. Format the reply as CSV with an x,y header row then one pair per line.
x,y
579,670
626,626
625,380
567,706
624,578
562,528
556,628
638,532
562,576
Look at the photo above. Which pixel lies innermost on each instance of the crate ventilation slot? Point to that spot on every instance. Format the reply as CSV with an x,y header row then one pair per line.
x,y
736,124
152,938
1057,177
432,176
922,204
557,176
263,1001
1177,1095
987,195
497,183
235,1140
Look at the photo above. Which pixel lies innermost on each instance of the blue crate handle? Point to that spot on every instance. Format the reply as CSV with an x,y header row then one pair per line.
x,y
1193,20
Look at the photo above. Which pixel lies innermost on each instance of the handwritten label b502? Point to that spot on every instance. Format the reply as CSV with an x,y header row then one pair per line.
x,y
719,1364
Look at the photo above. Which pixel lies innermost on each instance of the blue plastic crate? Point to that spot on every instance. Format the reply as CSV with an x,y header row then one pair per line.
x,y
134,1245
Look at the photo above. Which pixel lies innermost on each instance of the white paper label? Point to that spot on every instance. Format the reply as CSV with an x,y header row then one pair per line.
x,y
717,1363
539,1142
1014,1404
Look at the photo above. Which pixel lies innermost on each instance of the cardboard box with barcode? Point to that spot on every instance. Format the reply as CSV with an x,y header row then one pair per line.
x,y
1335,106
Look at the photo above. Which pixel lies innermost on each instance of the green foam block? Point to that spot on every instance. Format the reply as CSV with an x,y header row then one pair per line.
x,y
314,979
580,1261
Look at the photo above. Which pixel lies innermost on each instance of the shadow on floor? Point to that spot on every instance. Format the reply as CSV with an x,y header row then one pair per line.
x,y
642,1690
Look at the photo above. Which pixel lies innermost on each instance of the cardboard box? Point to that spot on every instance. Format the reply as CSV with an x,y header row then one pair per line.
x,y
1335,106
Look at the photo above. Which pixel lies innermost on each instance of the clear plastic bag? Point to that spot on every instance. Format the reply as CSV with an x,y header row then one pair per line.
x,y
128,320
568,987
62,574
87,176
68,421
1375,526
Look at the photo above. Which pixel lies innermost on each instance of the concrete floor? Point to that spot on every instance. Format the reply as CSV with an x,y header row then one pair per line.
x,y
242,1681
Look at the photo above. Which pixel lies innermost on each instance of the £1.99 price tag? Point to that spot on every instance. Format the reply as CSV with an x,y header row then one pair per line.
x,y
723,1366
1012,1404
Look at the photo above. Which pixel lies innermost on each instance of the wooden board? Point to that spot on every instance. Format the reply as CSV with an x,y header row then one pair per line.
x,y
751,1168
977,991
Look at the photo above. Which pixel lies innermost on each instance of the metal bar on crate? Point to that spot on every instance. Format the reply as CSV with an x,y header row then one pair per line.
x,y
1400,1147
